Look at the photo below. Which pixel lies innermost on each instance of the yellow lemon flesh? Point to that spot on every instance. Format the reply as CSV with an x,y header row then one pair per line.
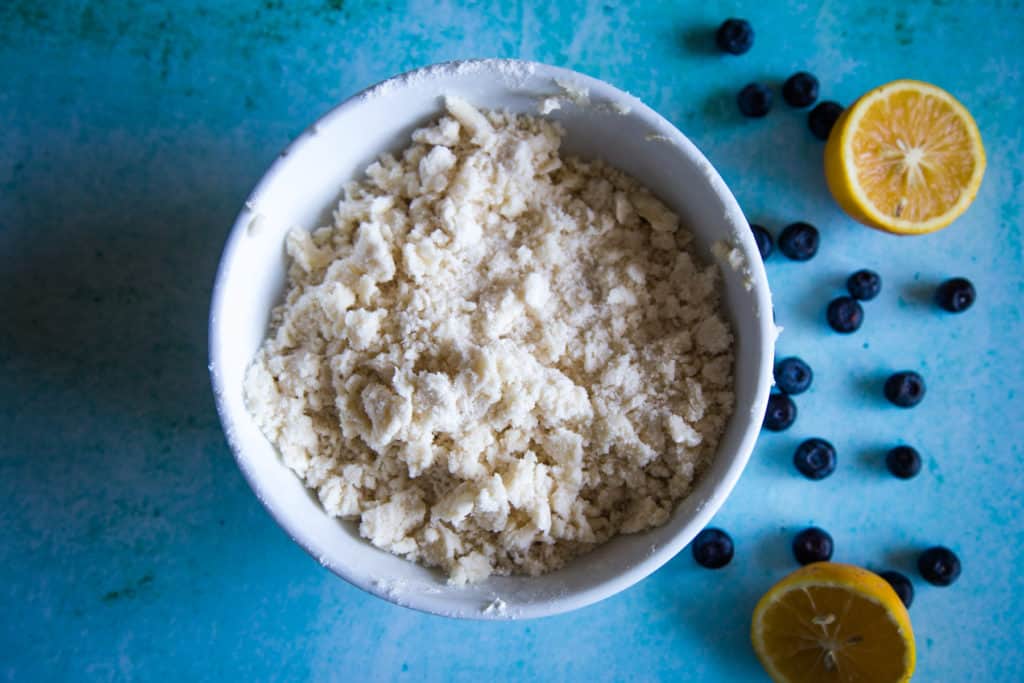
x,y
906,158
831,622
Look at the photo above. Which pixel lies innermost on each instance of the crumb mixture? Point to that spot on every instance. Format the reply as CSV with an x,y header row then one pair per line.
x,y
496,357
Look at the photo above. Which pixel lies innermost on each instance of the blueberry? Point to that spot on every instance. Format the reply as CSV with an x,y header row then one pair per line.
x,y
905,389
815,458
755,100
823,117
793,376
712,548
844,314
903,461
812,545
735,36
800,89
901,584
864,285
939,566
956,295
781,413
765,244
799,241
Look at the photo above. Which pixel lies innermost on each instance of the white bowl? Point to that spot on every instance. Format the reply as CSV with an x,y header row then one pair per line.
x,y
303,185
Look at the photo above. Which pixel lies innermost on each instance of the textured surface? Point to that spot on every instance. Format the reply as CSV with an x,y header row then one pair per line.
x,y
132,133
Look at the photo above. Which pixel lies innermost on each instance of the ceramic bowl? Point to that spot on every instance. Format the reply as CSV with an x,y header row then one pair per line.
x,y
302,186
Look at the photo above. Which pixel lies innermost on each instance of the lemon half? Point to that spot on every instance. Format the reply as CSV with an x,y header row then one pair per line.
x,y
833,623
906,158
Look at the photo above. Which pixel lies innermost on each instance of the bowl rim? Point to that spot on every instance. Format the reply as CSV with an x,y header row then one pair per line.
x,y
571,599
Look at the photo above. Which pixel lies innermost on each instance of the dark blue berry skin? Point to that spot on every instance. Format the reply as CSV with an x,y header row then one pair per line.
x,y
800,89
823,117
939,566
793,376
735,36
765,244
812,545
905,389
903,462
755,100
864,285
815,459
901,584
799,241
956,295
781,413
712,548
845,315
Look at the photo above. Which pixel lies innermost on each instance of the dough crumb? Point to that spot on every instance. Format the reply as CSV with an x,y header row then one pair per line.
x,y
548,105
495,357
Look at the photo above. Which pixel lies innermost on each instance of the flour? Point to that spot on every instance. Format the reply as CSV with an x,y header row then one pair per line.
x,y
495,358
577,94
731,254
497,606
256,225
512,73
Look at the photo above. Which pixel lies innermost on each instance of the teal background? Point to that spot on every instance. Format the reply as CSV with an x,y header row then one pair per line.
x,y
131,133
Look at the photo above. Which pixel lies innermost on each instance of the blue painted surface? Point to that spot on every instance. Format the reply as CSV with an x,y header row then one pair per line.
x,y
132,132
